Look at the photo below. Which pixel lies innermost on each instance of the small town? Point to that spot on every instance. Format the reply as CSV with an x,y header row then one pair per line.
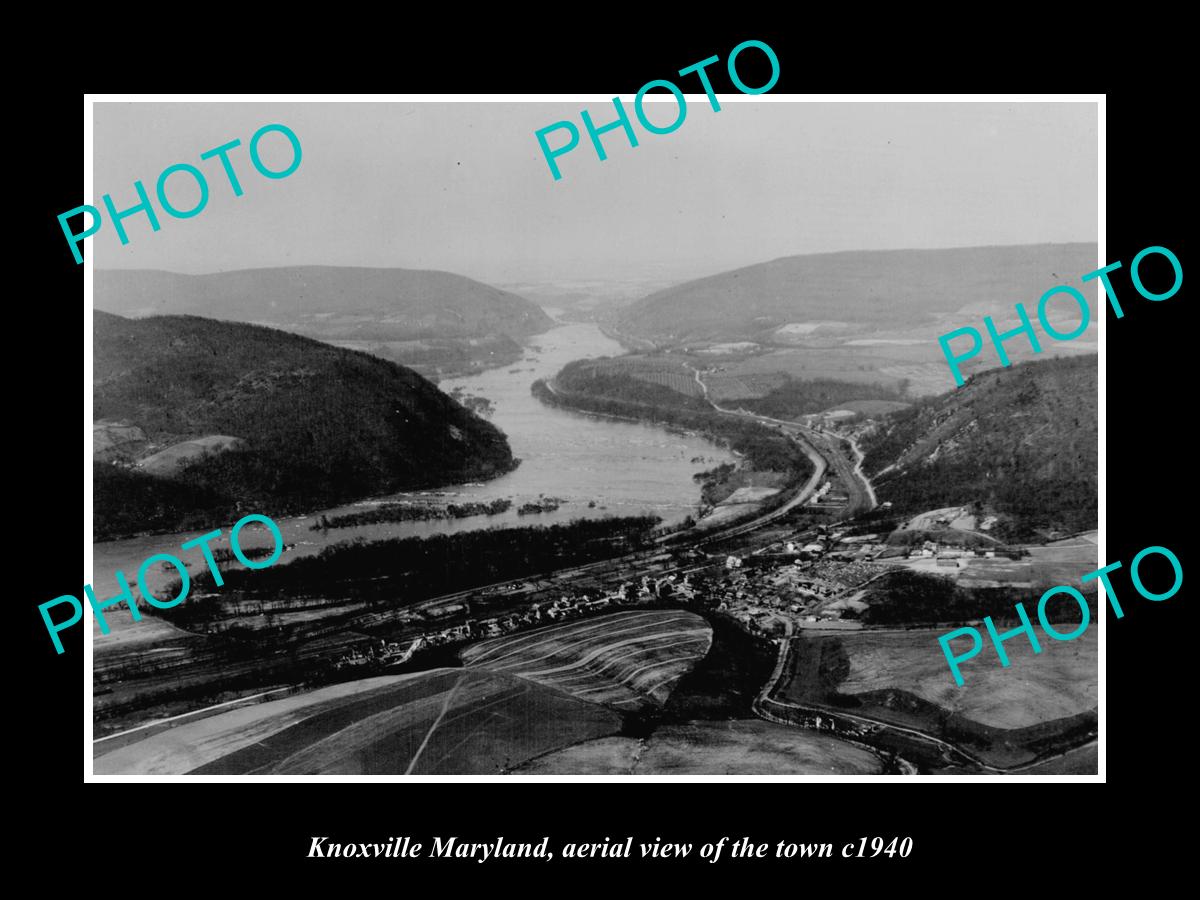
x,y
814,577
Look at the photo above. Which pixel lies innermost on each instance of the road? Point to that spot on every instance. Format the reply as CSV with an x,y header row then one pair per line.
x,y
764,697
822,448
822,451
860,474
953,753
825,450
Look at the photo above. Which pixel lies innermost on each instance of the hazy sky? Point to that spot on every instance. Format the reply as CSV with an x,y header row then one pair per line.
x,y
463,186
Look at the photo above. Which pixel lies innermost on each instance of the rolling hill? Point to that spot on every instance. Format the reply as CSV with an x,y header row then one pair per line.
x,y
434,322
887,288
436,722
328,301
1021,441
269,420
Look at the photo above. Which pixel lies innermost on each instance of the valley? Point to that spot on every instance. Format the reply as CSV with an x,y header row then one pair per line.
x,y
783,623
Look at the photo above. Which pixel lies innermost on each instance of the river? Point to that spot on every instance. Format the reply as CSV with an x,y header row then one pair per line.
x,y
624,468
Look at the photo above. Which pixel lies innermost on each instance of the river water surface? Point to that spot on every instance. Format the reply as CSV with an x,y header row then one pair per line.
x,y
624,468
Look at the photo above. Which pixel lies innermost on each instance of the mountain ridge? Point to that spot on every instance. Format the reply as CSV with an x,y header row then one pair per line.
x,y
314,424
875,287
1020,441
347,302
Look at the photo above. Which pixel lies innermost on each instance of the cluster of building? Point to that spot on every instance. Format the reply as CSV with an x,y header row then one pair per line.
x,y
736,595
565,607
830,420
815,721
826,496
814,578
770,596
931,548
381,653
843,574
810,580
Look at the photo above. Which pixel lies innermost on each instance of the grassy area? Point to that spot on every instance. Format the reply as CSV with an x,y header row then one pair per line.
x,y
1005,716
1059,682
739,747
442,721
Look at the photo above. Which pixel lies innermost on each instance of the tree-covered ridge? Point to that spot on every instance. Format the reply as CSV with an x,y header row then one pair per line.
x,y
873,287
1022,441
320,424
596,388
911,598
329,302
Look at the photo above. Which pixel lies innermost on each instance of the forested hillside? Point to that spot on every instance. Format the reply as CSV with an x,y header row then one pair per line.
x,y
593,387
436,323
882,288
1022,441
330,302
315,424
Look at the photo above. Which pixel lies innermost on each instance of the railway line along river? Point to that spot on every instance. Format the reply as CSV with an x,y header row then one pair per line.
x,y
597,466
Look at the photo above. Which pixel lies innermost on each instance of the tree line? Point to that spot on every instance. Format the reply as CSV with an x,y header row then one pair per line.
x,y
582,386
401,571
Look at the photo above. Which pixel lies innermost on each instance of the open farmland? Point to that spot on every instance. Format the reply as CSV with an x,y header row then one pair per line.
x,y
1040,705
854,364
681,382
627,659
172,459
437,722
653,370
740,387
738,747
1059,682
873,407
1059,562
1078,550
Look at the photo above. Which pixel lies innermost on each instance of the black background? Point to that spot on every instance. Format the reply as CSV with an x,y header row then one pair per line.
x,y
997,832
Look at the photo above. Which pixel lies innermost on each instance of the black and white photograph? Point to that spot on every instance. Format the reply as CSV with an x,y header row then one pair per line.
x,y
527,438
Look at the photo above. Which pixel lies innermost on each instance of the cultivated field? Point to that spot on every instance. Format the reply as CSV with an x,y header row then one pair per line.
x,y
741,387
653,370
438,722
1080,549
681,382
739,747
1037,707
853,364
1059,682
873,407
626,659
175,457
1059,562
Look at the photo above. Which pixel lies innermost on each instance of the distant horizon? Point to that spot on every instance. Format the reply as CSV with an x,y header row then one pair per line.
x,y
464,188
583,276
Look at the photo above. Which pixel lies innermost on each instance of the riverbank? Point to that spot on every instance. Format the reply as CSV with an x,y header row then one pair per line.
x,y
597,467
767,469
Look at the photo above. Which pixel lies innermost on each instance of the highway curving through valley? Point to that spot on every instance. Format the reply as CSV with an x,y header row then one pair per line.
x,y
824,451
